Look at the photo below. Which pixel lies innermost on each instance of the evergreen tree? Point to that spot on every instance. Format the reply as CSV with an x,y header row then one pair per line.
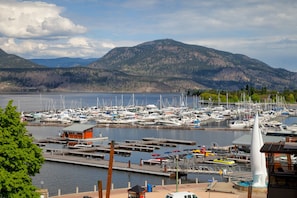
x,y
20,158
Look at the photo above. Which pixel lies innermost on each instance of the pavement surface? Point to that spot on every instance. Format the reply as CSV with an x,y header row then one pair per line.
x,y
202,190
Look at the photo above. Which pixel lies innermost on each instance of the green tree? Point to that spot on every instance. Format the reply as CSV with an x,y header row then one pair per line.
x,y
290,98
20,158
256,97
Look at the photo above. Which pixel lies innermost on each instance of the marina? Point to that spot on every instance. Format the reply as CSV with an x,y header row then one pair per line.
x,y
90,156
147,162
148,141
160,111
153,167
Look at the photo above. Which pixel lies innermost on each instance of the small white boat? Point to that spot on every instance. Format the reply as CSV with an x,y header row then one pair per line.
x,y
76,145
239,124
240,157
279,131
292,127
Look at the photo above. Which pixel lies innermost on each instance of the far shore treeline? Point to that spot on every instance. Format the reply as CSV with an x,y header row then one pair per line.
x,y
246,94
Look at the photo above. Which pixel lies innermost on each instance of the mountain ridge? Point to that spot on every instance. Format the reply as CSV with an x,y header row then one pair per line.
x,y
206,67
163,65
13,61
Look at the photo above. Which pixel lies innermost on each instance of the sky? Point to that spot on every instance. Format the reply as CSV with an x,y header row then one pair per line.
x,y
262,29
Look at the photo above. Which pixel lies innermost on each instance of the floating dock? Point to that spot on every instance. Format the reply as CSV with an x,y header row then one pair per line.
x,y
86,151
169,141
120,166
94,157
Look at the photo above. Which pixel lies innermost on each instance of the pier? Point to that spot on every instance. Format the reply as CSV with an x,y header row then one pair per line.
x,y
170,141
125,148
94,156
120,166
152,167
85,151
91,156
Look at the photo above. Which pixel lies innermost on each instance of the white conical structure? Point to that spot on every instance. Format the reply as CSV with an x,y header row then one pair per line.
x,y
258,161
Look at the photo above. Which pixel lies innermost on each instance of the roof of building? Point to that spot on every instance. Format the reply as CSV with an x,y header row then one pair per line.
x,y
246,140
137,189
281,147
78,128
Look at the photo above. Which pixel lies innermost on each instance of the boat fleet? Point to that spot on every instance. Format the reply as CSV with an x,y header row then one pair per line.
x,y
171,116
182,116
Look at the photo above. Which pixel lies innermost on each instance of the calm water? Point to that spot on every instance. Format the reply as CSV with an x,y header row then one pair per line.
x,y
54,176
54,101
66,177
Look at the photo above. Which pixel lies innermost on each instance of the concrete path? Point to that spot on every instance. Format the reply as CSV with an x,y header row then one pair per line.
x,y
219,190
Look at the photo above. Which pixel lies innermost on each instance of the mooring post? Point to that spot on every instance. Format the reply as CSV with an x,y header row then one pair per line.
x,y
109,176
100,189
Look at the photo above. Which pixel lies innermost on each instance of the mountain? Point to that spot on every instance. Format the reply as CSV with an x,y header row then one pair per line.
x,y
12,61
176,65
64,62
156,66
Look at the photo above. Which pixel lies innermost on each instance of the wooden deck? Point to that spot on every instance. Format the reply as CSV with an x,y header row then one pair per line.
x,y
86,151
169,141
94,157
120,166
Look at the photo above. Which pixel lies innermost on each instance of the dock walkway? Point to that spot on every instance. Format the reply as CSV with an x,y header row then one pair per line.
x,y
169,141
121,166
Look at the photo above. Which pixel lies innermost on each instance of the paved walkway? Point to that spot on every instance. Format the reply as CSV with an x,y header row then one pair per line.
x,y
219,190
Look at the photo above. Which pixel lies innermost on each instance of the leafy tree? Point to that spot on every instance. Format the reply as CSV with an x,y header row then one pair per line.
x,y
209,96
256,97
20,158
290,98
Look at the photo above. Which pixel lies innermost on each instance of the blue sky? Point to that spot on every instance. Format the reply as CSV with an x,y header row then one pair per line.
x,y
261,29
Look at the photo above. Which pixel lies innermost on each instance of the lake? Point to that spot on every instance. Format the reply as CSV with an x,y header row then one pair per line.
x,y
54,176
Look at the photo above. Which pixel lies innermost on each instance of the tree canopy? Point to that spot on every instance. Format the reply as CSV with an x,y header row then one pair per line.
x,y
20,158
248,93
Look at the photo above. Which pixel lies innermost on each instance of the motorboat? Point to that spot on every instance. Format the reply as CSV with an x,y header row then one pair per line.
x,y
224,161
202,152
239,124
292,127
280,130
240,157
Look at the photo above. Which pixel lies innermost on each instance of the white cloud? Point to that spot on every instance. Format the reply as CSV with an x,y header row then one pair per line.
x,y
79,42
34,19
108,45
13,46
232,17
72,47
264,29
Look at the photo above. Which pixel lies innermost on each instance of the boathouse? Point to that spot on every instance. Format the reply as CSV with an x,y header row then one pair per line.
x,y
282,171
78,131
